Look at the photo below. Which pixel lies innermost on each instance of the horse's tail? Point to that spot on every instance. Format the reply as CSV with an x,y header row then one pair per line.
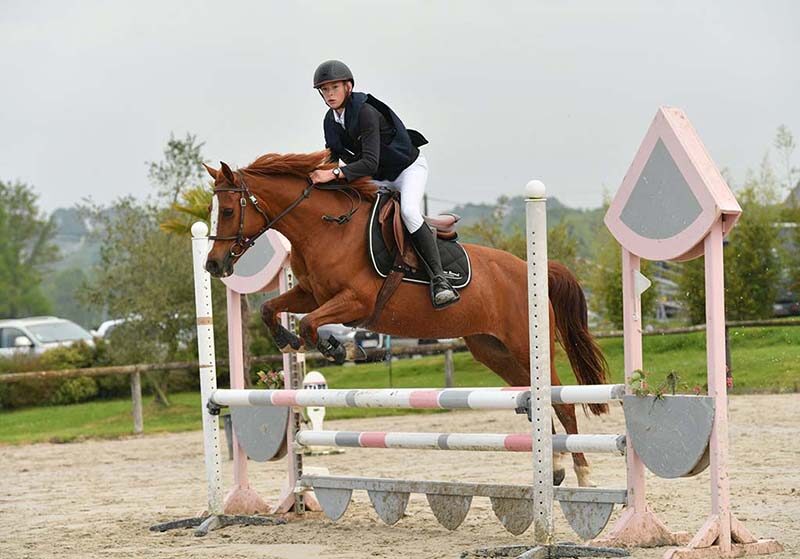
x,y
572,329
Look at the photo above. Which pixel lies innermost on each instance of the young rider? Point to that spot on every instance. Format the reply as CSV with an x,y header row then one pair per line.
x,y
371,140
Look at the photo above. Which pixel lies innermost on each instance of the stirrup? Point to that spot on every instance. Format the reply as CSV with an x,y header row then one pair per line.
x,y
444,288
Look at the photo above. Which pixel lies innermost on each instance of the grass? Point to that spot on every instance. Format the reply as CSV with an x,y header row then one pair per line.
x,y
764,360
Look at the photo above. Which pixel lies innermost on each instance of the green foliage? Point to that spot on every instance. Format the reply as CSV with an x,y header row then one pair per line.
x,y
195,206
562,245
75,390
260,341
641,384
75,356
62,287
48,391
784,143
691,289
605,280
26,249
791,256
753,259
489,231
181,168
580,223
498,231
270,380
145,275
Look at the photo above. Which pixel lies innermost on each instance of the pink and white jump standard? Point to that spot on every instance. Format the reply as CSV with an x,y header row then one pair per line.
x,y
674,204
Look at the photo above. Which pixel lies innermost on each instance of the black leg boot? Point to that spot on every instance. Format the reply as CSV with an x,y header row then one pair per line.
x,y
442,293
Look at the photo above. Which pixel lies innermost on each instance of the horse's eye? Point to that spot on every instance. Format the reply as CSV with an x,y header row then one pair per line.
x,y
227,212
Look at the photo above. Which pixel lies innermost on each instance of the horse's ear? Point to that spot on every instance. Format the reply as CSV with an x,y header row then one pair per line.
x,y
226,172
211,171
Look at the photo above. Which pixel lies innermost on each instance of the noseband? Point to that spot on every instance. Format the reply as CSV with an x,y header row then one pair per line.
x,y
243,242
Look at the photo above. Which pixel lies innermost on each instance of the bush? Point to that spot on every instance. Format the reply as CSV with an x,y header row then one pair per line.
x,y
74,390
37,392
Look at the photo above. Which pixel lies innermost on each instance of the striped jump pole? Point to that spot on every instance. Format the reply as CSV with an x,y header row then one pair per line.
x,y
504,398
515,442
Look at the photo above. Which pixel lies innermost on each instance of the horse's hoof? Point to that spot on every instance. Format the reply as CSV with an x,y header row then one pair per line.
x,y
354,352
332,350
286,341
558,476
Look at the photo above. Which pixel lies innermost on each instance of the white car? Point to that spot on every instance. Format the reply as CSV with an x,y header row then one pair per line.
x,y
106,327
37,334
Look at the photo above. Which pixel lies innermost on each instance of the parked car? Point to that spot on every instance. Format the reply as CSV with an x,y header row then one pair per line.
x,y
359,336
38,334
786,307
107,327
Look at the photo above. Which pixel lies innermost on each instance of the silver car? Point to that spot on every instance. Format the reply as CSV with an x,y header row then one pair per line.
x,y
37,334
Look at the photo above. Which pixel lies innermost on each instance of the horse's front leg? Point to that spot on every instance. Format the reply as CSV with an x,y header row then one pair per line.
x,y
296,300
343,308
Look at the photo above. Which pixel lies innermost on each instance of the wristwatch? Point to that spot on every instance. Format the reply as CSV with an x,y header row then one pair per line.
x,y
337,172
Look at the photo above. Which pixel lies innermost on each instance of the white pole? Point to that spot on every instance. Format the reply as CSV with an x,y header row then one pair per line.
x,y
208,367
539,333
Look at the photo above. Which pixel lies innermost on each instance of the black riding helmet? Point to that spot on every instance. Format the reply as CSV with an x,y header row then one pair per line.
x,y
332,71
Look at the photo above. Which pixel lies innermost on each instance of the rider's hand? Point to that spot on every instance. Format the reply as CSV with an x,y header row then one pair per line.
x,y
322,176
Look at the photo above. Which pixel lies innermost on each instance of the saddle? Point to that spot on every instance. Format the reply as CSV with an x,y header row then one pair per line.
x,y
394,258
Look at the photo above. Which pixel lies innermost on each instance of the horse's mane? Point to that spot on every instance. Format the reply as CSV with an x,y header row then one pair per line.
x,y
301,164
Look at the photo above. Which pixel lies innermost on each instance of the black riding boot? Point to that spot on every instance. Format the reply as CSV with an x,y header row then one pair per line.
x,y
442,293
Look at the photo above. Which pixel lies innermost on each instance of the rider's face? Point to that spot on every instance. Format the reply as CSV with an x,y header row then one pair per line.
x,y
335,93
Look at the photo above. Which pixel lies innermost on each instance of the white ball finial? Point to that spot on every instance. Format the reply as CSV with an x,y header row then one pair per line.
x,y
535,189
199,229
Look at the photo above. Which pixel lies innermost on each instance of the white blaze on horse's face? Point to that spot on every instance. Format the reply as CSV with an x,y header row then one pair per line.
x,y
214,221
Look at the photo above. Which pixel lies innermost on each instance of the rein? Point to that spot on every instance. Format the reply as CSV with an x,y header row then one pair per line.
x,y
243,242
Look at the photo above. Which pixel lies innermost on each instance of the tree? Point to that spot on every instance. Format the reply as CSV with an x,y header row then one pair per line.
x,y
145,276
784,143
193,207
753,259
181,168
26,249
562,244
489,231
605,279
691,289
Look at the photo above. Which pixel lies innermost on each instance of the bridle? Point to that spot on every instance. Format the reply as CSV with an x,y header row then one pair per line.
x,y
243,242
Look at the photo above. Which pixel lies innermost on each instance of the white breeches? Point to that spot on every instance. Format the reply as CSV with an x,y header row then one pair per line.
x,y
411,185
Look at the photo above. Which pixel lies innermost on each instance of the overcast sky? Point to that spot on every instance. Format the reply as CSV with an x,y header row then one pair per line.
x,y
505,91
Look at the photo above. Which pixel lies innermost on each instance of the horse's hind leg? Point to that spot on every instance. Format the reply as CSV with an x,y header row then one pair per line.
x,y
491,352
518,347
566,415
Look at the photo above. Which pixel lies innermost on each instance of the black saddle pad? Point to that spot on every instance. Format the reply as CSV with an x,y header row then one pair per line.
x,y
455,260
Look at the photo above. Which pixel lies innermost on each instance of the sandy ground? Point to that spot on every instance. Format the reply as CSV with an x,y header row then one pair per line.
x,y
98,498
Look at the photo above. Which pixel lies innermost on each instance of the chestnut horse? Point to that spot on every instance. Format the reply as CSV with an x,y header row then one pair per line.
x,y
336,282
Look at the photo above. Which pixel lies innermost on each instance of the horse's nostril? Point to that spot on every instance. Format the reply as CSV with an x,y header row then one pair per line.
x,y
212,267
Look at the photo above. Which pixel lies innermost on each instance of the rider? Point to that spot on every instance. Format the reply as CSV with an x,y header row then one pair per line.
x,y
371,140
